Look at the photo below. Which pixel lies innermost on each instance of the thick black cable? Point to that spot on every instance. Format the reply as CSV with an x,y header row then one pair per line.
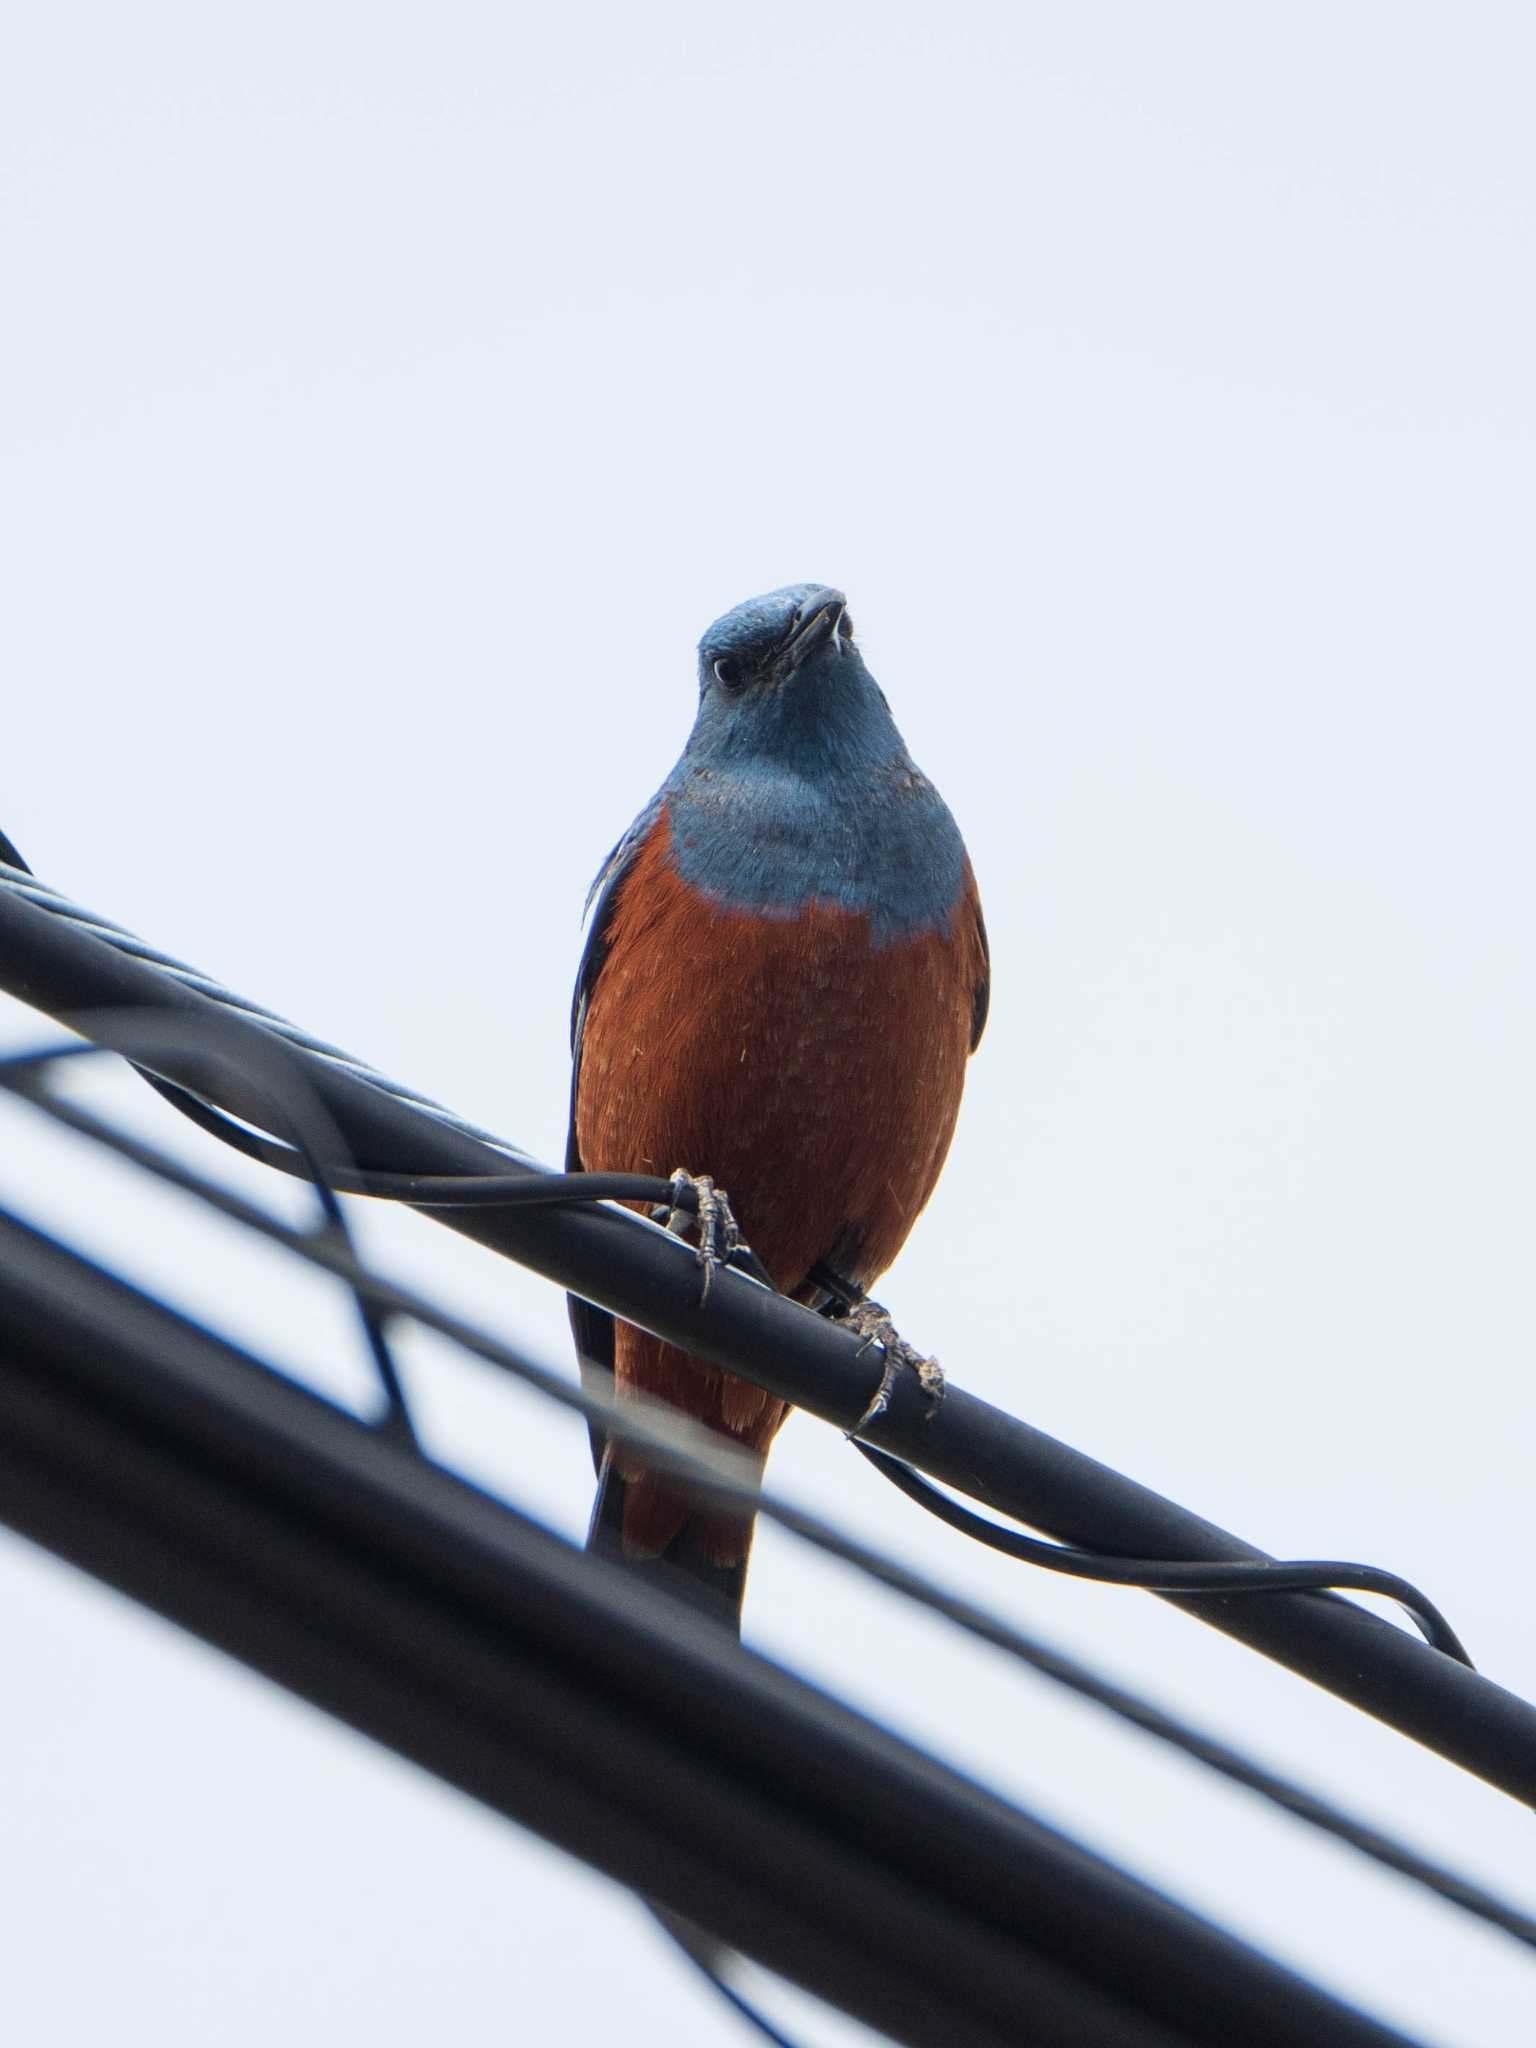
x,y
709,1475
64,961
533,1190
294,1104
302,1161
18,879
605,1716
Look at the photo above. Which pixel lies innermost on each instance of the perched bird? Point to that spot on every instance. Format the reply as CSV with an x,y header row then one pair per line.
x,y
785,974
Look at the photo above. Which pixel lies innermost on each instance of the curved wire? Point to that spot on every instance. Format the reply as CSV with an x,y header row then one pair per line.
x,y
454,1190
1241,1575
18,877
300,1105
294,1103
701,1951
1236,1575
533,1188
686,1456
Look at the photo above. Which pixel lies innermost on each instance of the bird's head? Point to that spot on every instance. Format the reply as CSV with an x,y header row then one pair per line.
x,y
789,636
782,685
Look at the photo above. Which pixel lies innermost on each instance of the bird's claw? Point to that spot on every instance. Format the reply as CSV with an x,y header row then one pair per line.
x,y
719,1237
867,1319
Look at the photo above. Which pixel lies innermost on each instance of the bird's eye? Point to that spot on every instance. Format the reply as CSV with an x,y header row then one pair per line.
x,y
845,627
728,673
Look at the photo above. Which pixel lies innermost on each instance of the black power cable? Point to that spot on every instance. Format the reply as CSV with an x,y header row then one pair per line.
x,y
548,1190
64,960
688,1456
295,1105
597,1712
536,1190
312,1130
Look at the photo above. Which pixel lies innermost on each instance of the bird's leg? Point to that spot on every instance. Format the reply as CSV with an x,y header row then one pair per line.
x,y
867,1319
720,1237
873,1323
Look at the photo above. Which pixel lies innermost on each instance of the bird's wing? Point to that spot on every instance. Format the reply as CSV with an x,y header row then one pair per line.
x,y
604,892
981,995
593,1327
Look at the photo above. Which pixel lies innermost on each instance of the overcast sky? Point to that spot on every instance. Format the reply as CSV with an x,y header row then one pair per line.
x,y
389,396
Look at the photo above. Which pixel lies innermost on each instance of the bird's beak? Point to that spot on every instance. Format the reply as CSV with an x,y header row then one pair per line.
x,y
817,620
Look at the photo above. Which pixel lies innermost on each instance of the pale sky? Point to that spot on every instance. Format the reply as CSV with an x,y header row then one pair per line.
x,y
389,397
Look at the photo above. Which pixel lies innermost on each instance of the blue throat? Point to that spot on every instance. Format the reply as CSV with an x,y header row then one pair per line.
x,y
803,792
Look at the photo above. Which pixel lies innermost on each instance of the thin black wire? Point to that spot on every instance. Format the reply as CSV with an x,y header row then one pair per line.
x,y
699,1951
290,1095
532,1190
397,1417
671,1445
396,1421
741,2006
1173,1576
292,1102
297,1103
455,1190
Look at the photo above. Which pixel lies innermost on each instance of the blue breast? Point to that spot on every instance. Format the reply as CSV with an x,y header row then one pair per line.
x,y
811,797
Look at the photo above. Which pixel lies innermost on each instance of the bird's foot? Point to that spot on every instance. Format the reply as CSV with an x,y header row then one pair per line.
x,y
719,1235
867,1319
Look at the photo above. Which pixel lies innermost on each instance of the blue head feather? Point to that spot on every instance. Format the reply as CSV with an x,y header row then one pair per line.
x,y
795,786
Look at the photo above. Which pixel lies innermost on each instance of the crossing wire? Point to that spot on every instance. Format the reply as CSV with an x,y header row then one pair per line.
x,y
689,1455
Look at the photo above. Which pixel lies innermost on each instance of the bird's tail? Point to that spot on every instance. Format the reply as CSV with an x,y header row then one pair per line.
x,y
687,1571
687,1566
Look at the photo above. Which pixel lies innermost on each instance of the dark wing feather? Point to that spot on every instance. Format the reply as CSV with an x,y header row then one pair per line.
x,y
982,996
593,1327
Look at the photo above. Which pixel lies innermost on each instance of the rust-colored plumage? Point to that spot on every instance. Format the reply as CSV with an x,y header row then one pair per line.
x,y
815,1074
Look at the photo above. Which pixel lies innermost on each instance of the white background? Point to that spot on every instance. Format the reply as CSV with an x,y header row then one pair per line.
x,y
390,396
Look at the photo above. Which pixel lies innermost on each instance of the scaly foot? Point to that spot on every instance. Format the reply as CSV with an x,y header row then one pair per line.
x,y
719,1237
873,1323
